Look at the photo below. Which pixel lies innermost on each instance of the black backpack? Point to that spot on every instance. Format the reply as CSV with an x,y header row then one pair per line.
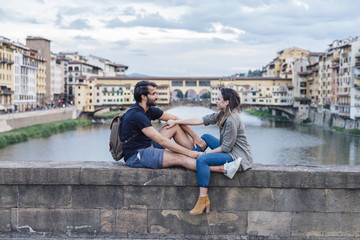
x,y
116,147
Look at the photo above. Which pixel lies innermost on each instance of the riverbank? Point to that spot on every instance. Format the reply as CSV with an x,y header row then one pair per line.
x,y
265,114
108,115
40,130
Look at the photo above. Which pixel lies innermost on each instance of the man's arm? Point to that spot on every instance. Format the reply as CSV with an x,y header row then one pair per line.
x,y
152,133
196,139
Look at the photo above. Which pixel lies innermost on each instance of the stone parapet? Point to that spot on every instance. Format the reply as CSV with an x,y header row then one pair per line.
x,y
110,200
24,119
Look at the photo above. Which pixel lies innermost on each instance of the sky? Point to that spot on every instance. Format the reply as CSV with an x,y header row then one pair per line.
x,y
174,38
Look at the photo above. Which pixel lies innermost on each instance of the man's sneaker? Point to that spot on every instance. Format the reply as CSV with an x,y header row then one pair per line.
x,y
232,167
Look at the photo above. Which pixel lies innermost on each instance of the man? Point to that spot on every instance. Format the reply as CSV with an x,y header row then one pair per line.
x,y
146,146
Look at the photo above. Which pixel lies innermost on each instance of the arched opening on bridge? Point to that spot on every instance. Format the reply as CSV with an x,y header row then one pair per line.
x,y
191,95
177,95
204,95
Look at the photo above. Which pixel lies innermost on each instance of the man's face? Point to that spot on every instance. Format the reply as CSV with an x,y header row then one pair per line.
x,y
152,97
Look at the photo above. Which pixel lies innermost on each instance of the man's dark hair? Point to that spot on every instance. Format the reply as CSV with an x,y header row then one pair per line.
x,y
141,88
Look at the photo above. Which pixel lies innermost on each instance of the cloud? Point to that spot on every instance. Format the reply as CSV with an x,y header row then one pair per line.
x,y
79,24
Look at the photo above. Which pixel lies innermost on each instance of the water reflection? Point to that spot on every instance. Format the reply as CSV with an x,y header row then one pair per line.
x,y
271,143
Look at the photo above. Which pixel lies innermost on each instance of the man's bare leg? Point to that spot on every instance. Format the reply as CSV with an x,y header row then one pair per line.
x,y
171,159
180,137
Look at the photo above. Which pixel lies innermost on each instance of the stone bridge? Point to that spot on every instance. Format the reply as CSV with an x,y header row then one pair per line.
x,y
110,200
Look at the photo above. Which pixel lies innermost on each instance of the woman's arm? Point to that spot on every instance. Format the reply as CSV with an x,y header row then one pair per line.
x,y
190,121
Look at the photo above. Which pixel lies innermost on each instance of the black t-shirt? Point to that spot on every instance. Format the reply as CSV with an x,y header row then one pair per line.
x,y
135,119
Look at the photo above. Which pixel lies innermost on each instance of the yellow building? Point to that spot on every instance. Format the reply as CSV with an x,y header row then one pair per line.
x,y
41,82
282,66
6,76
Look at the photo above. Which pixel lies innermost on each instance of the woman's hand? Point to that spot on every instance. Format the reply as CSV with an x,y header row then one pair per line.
x,y
194,154
170,124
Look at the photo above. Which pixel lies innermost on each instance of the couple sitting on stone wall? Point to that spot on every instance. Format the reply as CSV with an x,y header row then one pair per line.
x,y
151,148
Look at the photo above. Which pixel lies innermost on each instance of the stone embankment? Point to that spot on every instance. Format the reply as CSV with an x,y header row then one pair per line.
x,y
327,119
24,119
110,200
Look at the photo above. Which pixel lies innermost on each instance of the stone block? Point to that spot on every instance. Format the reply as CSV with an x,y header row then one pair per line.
x,y
303,200
63,221
5,220
8,196
342,200
42,173
179,198
343,179
181,222
124,221
39,196
326,224
241,199
268,224
123,175
89,197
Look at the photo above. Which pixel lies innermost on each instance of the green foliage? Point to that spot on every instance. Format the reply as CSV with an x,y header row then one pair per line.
x,y
255,73
307,120
266,114
108,115
354,131
39,130
351,131
340,129
205,95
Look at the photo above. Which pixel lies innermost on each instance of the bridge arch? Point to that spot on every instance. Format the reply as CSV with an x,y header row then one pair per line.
x,y
191,95
204,95
177,95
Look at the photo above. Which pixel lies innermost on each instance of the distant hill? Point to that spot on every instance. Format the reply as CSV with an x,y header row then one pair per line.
x,y
137,75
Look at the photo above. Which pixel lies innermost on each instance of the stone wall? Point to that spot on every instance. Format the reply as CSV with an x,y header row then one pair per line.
x,y
326,119
24,119
110,200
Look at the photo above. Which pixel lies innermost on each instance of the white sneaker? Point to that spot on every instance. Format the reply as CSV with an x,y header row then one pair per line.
x,y
232,167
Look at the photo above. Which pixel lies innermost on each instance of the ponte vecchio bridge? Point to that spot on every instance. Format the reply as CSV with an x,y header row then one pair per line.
x,y
105,92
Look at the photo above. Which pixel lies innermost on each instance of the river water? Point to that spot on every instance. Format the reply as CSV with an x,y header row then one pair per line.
x,y
271,143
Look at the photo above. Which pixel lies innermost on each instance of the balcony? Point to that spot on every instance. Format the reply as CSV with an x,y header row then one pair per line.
x,y
342,94
357,75
357,64
280,90
357,96
357,86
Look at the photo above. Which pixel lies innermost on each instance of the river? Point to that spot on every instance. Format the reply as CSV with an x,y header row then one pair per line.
x,y
271,143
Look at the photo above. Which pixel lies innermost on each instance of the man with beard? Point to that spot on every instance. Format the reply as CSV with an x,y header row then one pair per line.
x,y
145,146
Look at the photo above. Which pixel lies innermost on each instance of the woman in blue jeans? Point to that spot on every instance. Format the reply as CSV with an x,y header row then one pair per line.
x,y
229,153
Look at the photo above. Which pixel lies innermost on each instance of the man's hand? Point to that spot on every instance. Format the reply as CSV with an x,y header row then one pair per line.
x,y
170,124
200,142
195,154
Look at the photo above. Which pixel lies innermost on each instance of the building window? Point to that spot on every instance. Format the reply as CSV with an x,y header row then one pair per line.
x,y
177,83
204,83
190,83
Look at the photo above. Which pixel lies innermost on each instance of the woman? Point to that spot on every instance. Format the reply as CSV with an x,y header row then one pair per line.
x,y
229,153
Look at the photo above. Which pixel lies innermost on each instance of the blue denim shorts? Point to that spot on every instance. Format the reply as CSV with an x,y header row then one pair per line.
x,y
151,157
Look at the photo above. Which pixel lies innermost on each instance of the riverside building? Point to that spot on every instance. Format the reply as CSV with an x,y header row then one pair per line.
x,y
6,76
27,64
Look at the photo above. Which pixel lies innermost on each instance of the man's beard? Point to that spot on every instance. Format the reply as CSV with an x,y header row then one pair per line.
x,y
150,103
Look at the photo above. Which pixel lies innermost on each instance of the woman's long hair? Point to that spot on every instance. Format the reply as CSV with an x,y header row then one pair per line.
x,y
234,105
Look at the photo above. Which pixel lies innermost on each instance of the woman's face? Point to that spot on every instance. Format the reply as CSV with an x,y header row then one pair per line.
x,y
221,104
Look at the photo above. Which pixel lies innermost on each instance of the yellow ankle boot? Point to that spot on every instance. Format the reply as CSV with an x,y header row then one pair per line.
x,y
202,203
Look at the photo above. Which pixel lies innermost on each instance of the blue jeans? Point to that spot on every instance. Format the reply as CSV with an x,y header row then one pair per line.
x,y
212,159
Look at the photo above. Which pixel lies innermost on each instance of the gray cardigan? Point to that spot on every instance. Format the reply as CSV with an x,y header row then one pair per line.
x,y
233,139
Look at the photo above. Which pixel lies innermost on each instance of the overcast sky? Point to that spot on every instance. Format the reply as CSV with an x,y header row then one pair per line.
x,y
182,37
